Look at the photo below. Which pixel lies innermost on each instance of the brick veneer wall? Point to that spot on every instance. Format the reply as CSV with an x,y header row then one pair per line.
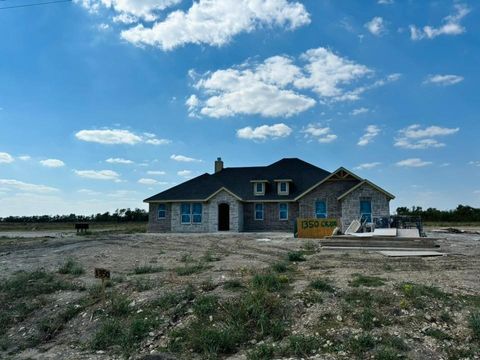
x,y
154,223
271,221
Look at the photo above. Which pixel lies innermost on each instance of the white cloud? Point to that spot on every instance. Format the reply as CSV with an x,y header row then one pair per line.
x,y
474,163
185,173
23,186
6,158
368,166
52,163
25,157
99,174
359,111
216,22
319,133
89,192
280,85
414,162
385,2
155,172
145,181
451,25
416,137
264,132
118,136
182,158
444,80
376,26
118,161
371,131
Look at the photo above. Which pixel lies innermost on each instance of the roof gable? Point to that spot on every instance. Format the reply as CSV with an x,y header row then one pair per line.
x,y
369,183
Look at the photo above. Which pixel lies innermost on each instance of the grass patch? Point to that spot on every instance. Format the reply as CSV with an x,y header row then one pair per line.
x,y
209,256
281,267
437,334
387,353
233,284
302,345
147,269
322,285
261,352
360,344
269,281
190,269
474,324
368,281
205,306
296,256
143,284
72,267
310,247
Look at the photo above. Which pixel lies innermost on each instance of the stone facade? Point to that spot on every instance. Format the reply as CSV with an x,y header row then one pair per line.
x,y
271,219
351,204
236,209
159,225
329,192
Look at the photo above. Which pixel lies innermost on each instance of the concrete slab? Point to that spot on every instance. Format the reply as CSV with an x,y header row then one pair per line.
x,y
408,233
402,253
385,232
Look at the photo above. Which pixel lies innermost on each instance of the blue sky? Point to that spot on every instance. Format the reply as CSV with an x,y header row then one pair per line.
x,y
106,102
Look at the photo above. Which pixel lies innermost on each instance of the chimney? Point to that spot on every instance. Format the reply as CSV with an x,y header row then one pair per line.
x,y
218,165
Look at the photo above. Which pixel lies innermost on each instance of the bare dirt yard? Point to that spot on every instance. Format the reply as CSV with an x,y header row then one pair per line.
x,y
234,296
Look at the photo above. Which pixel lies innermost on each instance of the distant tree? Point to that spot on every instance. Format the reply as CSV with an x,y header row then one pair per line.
x,y
463,213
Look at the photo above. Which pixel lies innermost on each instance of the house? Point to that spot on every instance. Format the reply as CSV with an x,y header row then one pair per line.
x,y
265,198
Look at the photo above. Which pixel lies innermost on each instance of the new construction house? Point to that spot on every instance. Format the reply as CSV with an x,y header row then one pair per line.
x,y
265,198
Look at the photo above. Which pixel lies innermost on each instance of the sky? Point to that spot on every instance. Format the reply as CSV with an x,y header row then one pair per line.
x,y
104,103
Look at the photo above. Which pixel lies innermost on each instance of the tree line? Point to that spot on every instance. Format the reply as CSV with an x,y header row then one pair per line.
x,y
462,213
119,215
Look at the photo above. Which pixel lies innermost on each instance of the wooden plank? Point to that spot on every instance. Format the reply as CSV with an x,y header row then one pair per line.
x,y
316,228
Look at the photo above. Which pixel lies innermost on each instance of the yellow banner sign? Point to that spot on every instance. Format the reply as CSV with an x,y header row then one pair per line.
x,y
315,228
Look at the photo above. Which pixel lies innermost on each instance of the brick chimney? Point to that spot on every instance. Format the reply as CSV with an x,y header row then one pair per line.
x,y
218,165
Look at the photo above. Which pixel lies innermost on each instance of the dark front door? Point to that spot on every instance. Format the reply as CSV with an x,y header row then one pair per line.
x,y
223,217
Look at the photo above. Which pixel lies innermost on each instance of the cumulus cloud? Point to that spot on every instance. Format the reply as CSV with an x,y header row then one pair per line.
x,y
182,158
416,137
264,132
6,158
118,136
146,181
118,161
25,157
414,162
368,166
156,172
474,163
185,173
280,85
451,25
52,163
376,26
359,111
385,2
216,22
443,80
371,131
23,186
99,174
319,133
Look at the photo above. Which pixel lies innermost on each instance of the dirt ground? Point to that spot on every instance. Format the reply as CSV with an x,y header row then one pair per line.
x,y
237,256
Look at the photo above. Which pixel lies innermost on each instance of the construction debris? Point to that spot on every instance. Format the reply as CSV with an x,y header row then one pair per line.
x,y
402,253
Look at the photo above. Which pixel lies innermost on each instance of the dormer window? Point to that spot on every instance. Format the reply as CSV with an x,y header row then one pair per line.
x,y
283,186
259,187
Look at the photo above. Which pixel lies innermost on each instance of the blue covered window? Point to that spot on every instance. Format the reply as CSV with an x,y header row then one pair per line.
x,y
191,213
283,187
283,211
185,214
258,211
162,211
366,210
320,209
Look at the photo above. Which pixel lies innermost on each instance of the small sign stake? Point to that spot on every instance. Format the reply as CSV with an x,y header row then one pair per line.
x,y
102,274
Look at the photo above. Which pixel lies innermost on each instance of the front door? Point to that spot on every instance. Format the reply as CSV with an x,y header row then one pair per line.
x,y
223,217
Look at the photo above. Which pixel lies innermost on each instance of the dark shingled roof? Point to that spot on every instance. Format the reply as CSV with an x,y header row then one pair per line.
x,y
238,181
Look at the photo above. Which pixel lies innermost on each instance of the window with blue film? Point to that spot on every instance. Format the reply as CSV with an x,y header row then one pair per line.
x,y
320,209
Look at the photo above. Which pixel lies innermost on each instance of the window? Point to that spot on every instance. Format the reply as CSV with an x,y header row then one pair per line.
x,y
185,213
283,211
259,188
162,211
258,211
191,213
320,209
366,211
283,188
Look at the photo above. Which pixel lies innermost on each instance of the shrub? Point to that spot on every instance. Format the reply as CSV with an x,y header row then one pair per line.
x,y
474,323
110,333
322,285
190,269
302,345
360,344
147,269
261,352
72,267
280,267
269,281
296,256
